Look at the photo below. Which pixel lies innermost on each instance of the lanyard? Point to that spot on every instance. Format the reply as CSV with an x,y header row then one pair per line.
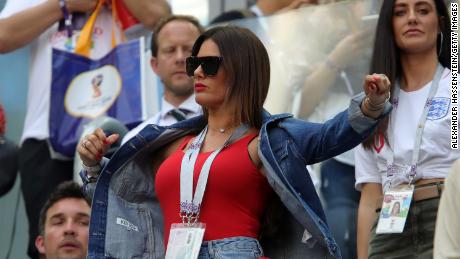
x,y
419,132
190,203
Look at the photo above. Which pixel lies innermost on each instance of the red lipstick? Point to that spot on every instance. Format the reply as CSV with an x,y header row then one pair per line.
x,y
199,87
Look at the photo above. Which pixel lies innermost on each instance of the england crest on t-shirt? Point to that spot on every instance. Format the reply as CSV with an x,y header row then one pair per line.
x,y
439,108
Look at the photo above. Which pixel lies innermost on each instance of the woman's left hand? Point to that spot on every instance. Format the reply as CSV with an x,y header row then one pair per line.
x,y
377,88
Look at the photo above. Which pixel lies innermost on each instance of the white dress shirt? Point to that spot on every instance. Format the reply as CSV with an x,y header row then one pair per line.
x,y
163,118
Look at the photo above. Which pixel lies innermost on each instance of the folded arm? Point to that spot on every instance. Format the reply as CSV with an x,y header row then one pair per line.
x,y
23,27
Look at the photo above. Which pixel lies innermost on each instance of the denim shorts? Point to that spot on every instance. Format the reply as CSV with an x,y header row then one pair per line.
x,y
230,248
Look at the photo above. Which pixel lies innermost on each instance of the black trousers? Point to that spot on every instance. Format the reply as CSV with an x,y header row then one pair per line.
x,y
39,176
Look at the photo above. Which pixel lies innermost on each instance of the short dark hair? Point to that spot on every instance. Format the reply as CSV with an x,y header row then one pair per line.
x,y
247,66
161,23
64,190
386,58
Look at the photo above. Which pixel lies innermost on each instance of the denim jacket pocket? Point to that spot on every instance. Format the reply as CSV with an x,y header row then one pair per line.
x,y
129,232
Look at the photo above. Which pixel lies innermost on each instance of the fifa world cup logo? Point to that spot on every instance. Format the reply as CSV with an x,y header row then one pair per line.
x,y
96,82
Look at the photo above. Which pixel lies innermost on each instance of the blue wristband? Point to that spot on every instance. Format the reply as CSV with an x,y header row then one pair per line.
x,y
67,18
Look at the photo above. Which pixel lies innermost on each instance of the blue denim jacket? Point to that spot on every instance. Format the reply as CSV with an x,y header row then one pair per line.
x,y
126,219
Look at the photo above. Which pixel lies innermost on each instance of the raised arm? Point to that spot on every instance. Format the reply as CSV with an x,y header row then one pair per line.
x,y
347,129
148,12
23,27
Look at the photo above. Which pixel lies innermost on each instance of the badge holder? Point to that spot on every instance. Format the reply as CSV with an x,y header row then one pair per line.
x,y
395,208
185,240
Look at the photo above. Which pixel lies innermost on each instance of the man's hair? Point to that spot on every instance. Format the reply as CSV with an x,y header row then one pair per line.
x,y
65,190
161,23
247,66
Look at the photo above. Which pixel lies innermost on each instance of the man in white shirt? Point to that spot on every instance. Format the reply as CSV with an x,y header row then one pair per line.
x,y
36,22
172,42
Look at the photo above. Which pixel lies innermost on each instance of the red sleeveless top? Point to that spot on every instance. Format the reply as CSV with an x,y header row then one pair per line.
x,y
235,197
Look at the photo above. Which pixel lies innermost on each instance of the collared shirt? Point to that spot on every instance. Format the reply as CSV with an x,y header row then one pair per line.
x,y
164,118
256,10
262,20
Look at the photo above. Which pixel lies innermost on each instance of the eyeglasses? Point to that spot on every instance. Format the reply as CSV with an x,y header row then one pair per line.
x,y
210,65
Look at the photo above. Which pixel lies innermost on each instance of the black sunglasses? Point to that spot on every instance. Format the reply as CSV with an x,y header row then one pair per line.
x,y
209,65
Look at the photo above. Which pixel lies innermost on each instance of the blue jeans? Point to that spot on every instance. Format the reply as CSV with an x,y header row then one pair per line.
x,y
341,204
229,248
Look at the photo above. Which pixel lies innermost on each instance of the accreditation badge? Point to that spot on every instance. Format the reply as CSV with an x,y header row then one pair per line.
x,y
395,208
185,241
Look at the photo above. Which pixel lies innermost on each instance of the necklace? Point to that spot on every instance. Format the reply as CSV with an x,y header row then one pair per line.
x,y
222,129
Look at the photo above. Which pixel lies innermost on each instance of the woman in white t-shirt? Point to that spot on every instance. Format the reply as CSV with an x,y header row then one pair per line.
x,y
412,46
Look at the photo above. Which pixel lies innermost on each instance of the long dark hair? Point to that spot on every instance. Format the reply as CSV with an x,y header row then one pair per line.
x,y
386,58
247,66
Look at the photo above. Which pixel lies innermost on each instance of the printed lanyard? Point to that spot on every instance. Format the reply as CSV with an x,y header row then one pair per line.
x,y
419,132
190,203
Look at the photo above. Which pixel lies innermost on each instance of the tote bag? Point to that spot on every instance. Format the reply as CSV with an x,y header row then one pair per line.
x,y
83,89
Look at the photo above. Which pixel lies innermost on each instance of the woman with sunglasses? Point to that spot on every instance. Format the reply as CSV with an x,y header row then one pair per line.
x,y
411,150
236,174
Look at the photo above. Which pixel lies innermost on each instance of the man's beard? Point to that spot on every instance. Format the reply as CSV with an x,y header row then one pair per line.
x,y
181,89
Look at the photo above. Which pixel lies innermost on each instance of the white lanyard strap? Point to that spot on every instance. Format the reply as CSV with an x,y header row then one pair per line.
x,y
420,127
189,203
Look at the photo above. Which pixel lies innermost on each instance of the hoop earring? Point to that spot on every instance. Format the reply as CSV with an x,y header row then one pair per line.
x,y
440,47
